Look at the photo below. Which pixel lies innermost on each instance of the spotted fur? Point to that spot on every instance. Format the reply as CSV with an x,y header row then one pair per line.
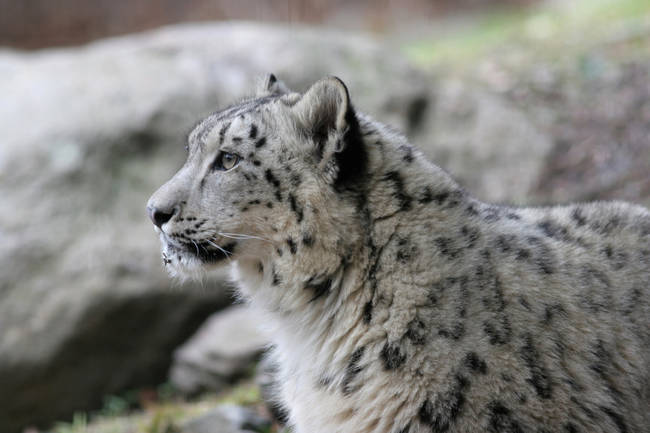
x,y
397,302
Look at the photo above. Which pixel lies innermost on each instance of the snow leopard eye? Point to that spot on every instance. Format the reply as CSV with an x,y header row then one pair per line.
x,y
225,161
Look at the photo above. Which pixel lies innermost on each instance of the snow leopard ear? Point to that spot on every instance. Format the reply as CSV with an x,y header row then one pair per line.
x,y
325,111
270,85
328,118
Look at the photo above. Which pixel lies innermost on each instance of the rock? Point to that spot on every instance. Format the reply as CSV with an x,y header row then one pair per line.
x,y
477,136
599,122
227,419
87,135
223,350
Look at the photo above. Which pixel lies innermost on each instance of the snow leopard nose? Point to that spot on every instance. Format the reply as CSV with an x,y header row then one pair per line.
x,y
160,216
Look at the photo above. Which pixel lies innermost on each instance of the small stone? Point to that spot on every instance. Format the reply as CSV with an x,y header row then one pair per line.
x,y
222,350
227,419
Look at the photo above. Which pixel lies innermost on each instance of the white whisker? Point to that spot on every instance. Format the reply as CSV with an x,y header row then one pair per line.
x,y
197,247
241,236
227,253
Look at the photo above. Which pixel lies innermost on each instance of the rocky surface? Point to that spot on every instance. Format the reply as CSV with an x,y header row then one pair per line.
x,y
596,110
224,349
484,141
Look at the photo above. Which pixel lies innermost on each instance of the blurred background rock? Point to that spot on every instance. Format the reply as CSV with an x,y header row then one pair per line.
x,y
43,23
526,102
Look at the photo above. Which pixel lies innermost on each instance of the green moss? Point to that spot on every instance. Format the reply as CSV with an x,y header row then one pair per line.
x,y
246,394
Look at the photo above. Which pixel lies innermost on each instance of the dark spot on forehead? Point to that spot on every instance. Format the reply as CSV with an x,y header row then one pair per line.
x,y
261,142
245,107
222,132
253,131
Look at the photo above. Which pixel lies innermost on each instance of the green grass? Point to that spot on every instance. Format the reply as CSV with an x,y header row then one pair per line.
x,y
488,31
246,394
158,418
79,424
548,27
165,415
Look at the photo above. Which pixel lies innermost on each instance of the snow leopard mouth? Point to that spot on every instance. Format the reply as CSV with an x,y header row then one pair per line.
x,y
207,253
211,253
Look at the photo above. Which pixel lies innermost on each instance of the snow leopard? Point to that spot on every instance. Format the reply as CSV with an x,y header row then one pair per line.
x,y
397,302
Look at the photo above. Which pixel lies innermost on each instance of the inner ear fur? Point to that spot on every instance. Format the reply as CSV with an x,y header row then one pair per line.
x,y
322,112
